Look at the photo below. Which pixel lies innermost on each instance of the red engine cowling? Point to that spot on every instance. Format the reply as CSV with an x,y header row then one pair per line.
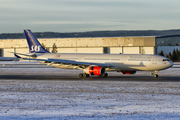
x,y
128,72
95,70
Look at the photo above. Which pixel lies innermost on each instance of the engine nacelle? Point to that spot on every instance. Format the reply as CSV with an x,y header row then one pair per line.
x,y
128,72
95,70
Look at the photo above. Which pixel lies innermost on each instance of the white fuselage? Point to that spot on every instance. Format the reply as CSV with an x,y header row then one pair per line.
x,y
117,62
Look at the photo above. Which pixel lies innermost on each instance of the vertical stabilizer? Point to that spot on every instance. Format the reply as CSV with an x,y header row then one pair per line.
x,y
34,45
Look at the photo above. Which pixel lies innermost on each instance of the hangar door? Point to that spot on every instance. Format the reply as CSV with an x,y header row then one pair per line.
x,y
116,50
130,50
65,50
90,50
147,50
8,52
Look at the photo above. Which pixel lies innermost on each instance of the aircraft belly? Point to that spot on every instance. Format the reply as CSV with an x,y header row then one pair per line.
x,y
138,66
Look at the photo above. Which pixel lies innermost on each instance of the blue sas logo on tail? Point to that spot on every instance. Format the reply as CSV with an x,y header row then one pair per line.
x,y
33,43
35,48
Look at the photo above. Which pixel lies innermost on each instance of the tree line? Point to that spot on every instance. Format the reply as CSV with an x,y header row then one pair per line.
x,y
119,33
174,56
54,48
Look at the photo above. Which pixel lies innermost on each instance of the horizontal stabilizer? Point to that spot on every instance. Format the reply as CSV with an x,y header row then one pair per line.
x,y
17,55
28,55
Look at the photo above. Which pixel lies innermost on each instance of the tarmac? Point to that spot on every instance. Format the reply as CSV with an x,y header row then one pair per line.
x,y
25,70
110,78
35,91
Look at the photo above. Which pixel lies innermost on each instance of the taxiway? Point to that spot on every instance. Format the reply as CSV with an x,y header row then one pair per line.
x,y
52,93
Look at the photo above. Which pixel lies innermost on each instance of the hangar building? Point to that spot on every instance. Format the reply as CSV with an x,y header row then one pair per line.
x,y
107,45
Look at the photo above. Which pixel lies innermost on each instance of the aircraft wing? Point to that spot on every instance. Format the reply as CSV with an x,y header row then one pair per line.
x,y
70,62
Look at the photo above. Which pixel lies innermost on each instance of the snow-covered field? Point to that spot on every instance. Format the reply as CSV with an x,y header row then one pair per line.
x,y
60,99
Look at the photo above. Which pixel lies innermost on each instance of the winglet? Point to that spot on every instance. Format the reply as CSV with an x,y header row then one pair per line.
x,y
34,45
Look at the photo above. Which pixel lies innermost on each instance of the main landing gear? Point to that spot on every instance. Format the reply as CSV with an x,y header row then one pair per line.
x,y
105,75
84,75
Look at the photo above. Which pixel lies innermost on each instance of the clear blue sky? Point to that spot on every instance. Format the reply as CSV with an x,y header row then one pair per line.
x,y
88,15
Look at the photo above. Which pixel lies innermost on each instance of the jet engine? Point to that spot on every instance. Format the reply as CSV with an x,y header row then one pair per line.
x,y
95,70
128,72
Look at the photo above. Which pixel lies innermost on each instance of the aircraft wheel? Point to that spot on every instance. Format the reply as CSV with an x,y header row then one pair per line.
x,y
80,75
85,75
88,75
156,75
105,75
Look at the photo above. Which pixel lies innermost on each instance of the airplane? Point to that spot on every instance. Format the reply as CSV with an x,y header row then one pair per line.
x,y
94,64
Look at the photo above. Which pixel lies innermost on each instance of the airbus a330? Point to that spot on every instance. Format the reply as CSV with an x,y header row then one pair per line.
x,y
94,64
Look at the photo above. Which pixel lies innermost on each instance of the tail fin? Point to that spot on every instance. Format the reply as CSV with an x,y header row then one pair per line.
x,y
34,45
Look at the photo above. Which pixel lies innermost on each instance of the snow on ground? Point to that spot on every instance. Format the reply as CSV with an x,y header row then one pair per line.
x,y
60,99
31,99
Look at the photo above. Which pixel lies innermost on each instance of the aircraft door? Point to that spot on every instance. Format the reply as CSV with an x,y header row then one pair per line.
x,y
154,60
123,59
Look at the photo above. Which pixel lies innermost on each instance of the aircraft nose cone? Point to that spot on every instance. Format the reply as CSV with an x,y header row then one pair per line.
x,y
171,64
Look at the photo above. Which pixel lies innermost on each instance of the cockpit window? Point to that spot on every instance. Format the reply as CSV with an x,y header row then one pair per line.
x,y
165,60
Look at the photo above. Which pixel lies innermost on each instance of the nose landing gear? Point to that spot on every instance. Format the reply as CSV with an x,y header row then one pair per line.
x,y
155,73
